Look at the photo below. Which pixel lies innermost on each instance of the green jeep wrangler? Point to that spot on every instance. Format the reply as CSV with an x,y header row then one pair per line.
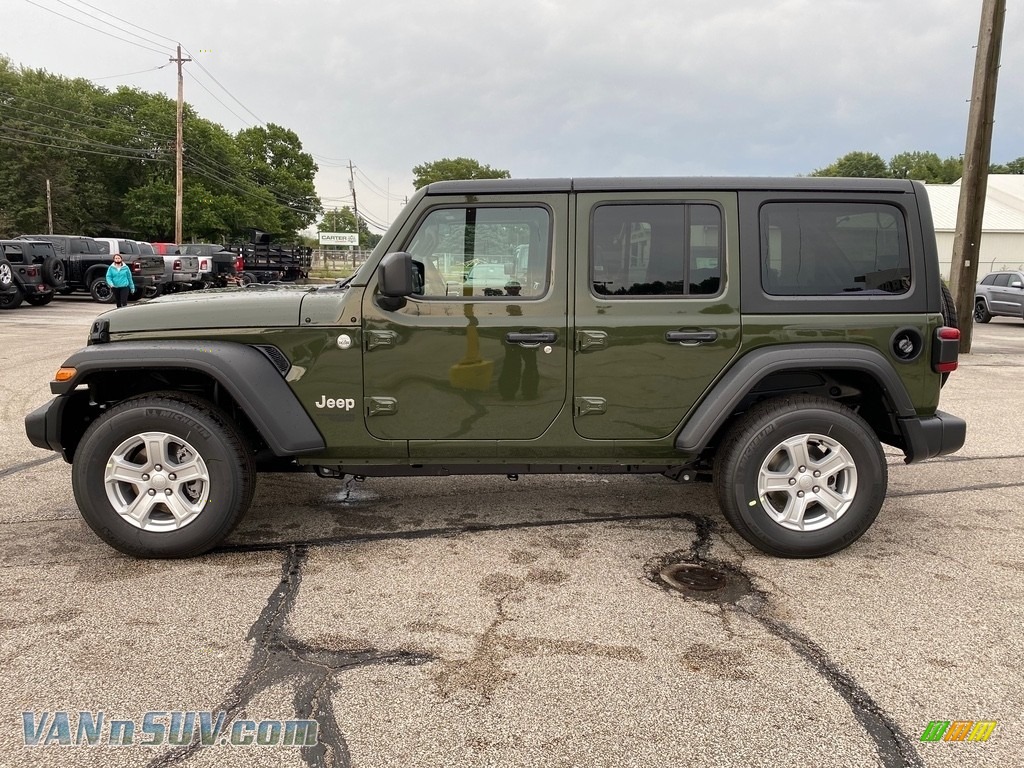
x,y
766,334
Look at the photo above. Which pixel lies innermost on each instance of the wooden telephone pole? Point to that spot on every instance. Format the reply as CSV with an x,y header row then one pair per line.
x,y
967,241
355,206
179,148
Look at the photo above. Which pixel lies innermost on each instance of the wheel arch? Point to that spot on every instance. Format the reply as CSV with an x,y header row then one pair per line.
x,y
239,379
859,375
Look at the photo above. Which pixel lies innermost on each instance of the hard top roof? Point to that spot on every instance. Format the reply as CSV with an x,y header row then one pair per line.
x,y
667,183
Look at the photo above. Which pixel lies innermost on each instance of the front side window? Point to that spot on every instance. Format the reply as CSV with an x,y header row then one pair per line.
x,y
825,249
656,250
483,252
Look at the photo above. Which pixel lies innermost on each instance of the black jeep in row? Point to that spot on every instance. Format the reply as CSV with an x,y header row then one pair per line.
x,y
30,271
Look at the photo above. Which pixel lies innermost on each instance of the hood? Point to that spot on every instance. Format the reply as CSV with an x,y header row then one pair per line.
x,y
228,308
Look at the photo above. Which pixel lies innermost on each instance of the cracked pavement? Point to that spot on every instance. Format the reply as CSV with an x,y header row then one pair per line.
x,y
478,621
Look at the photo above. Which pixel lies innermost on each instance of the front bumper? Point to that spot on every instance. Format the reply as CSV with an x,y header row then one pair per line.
x,y
930,436
42,426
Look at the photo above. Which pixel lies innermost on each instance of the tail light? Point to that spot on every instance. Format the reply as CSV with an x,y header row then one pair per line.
x,y
239,264
204,265
177,265
945,349
136,267
30,272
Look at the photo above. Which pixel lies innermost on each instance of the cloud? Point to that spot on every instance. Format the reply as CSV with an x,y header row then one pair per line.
x,y
554,88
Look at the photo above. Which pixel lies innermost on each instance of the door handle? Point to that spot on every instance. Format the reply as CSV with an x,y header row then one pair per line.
x,y
531,339
691,337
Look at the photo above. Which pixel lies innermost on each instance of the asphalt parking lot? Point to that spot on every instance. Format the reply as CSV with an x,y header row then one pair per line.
x,y
479,621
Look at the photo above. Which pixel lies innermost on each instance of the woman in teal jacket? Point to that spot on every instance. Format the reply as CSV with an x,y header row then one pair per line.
x,y
119,278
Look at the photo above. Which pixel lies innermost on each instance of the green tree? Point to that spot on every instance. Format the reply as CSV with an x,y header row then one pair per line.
x,y
1014,166
274,160
449,169
925,166
865,165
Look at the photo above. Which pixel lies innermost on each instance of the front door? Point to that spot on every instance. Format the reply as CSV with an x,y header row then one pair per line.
x,y
480,351
657,308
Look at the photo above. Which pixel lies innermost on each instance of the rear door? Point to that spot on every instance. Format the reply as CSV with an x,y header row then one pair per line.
x,y
657,297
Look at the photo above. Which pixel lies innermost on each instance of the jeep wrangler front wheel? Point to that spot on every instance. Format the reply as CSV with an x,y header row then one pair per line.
x,y
162,475
800,476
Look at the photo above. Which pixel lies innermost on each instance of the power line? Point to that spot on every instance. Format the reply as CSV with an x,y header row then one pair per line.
x,y
79,139
212,94
129,23
80,149
96,29
115,26
129,74
229,93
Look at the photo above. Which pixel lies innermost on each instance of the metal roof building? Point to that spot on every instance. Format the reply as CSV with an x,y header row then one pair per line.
x,y
1002,230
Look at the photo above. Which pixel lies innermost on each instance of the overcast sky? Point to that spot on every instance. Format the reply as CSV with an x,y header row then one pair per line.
x,y
549,87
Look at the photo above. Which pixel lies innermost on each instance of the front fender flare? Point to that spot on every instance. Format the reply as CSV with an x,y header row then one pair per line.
x,y
246,373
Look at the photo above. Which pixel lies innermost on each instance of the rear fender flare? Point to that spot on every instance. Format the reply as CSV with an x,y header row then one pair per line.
x,y
716,407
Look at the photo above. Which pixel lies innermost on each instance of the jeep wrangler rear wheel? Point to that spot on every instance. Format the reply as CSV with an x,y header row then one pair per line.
x,y
163,475
800,476
11,300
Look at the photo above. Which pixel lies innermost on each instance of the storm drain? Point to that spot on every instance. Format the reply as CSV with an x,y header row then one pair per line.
x,y
687,576
708,581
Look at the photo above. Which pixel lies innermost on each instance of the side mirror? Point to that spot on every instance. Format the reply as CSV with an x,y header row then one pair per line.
x,y
396,275
1016,284
396,280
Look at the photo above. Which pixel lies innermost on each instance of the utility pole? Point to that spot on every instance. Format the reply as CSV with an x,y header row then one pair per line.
x,y
355,208
49,209
967,241
179,148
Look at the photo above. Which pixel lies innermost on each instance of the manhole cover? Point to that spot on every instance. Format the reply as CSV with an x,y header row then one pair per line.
x,y
687,576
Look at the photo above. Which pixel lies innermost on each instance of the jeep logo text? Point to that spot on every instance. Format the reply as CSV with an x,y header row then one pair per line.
x,y
345,404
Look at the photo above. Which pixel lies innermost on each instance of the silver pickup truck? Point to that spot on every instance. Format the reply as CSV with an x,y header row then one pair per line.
x,y
180,272
1000,294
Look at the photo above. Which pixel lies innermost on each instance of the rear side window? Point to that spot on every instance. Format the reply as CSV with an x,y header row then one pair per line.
x,y
989,279
13,252
1003,279
833,248
656,250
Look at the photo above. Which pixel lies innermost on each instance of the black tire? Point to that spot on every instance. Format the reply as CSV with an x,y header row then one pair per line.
x,y
53,271
981,313
101,292
151,291
755,450
949,316
949,319
191,430
6,275
11,299
248,278
40,301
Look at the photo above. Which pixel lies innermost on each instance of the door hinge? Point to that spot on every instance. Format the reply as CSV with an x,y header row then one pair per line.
x,y
376,339
588,405
381,406
591,340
